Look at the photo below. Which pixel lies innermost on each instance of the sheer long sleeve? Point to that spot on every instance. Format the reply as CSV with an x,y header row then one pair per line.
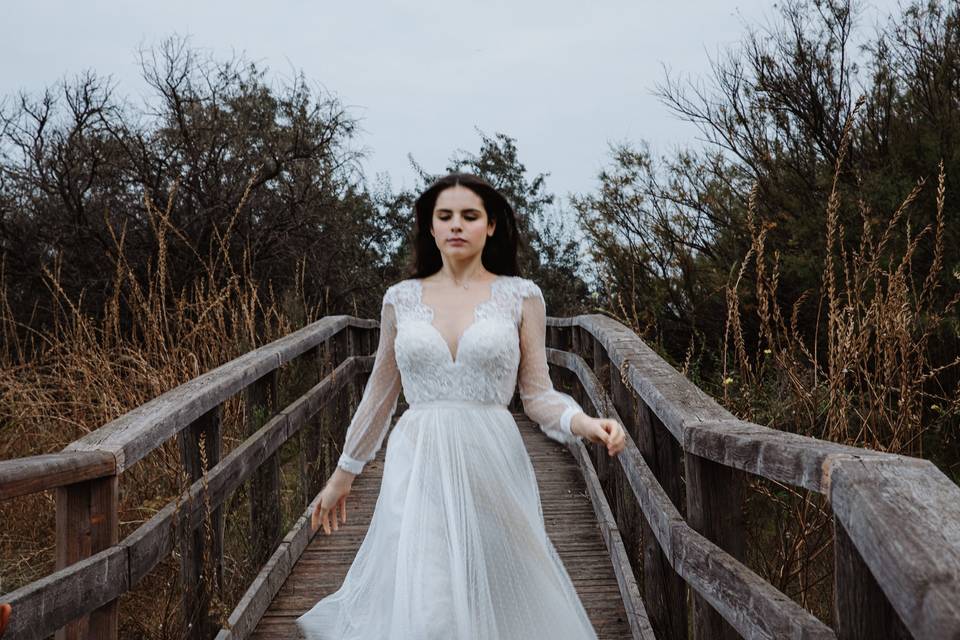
x,y
371,421
552,410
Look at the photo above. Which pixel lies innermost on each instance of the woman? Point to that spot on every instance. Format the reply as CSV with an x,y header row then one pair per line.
x,y
456,547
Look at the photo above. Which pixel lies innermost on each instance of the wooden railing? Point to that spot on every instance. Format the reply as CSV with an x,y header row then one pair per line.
x,y
93,568
896,519
669,505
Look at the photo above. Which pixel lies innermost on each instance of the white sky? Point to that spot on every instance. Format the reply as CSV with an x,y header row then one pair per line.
x,y
563,78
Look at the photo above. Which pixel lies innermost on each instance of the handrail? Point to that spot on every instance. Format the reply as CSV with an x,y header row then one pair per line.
x,y
897,518
91,576
138,432
32,474
901,515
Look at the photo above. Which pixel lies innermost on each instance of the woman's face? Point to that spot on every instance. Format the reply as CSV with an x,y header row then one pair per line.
x,y
459,214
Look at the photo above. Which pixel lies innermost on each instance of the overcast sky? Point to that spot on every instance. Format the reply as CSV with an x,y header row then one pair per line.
x,y
564,78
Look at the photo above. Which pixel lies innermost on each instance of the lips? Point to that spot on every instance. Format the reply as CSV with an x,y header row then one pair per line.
x,y
456,240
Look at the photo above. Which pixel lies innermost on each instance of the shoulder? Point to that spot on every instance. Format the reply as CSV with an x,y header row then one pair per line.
x,y
524,292
400,291
525,287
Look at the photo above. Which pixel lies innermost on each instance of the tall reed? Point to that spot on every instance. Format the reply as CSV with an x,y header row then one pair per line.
x,y
89,366
873,384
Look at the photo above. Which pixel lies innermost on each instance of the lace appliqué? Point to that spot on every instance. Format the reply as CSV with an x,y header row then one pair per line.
x,y
500,351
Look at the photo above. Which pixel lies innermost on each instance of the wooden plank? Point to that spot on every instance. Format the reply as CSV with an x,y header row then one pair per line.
x,y
695,420
88,523
752,606
665,593
784,457
668,394
255,602
903,518
640,626
860,608
715,510
201,561
45,605
154,539
568,515
23,476
138,432
261,403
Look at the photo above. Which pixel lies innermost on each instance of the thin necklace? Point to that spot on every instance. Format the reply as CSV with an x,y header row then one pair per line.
x,y
465,284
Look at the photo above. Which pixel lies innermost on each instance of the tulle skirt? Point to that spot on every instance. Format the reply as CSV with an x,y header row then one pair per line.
x,y
456,548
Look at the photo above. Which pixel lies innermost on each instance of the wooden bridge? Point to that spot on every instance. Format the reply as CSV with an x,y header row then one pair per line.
x,y
639,533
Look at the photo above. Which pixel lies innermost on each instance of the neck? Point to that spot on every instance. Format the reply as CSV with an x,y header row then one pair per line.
x,y
459,273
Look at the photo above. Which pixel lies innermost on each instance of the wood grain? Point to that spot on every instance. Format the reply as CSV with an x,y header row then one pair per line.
x,y
568,514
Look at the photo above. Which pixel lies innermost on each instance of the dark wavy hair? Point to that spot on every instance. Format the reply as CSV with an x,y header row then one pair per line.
x,y
500,250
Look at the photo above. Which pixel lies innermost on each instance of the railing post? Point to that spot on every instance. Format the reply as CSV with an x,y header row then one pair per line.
x,y
200,448
665,592
87,523
261,406
628,514
715,509
356,385
603,464
860,608
343,415
309,435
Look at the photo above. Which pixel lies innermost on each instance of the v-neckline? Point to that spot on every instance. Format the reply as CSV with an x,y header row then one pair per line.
x,y
473,321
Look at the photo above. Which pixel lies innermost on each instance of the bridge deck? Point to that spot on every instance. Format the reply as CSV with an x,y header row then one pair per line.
x,y
570,521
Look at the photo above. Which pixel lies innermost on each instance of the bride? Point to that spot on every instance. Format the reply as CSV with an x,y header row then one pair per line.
x,y
456,547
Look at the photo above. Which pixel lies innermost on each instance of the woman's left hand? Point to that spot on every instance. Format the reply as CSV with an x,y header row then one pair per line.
x,y
605,430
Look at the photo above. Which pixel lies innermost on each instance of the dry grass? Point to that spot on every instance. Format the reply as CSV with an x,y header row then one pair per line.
x,y
872,386
68,379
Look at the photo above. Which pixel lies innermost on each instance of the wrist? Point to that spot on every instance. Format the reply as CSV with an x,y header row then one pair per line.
x,y
342,476
578,423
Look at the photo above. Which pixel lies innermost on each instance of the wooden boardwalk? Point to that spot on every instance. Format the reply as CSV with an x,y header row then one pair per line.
x,y
567,510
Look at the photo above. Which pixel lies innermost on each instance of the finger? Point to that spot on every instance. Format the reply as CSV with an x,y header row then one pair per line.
x,y
326,522
343,507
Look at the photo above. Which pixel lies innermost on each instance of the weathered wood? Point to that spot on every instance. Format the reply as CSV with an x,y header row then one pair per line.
x,y
903,518
715,510
309,452
87,523
154,539
45,605
665,592
629,517
860,608
201,549
784,457
255,602
138,432
751,605
696,420
23,476
670,396
640,627
264,490
568,515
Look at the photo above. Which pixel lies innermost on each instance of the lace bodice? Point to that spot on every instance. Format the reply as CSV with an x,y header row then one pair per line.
x,y
503,347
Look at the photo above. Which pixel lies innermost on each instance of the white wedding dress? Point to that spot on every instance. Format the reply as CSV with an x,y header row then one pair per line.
x,y
456,548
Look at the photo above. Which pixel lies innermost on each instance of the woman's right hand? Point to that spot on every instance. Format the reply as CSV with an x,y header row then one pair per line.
x,y
333,498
